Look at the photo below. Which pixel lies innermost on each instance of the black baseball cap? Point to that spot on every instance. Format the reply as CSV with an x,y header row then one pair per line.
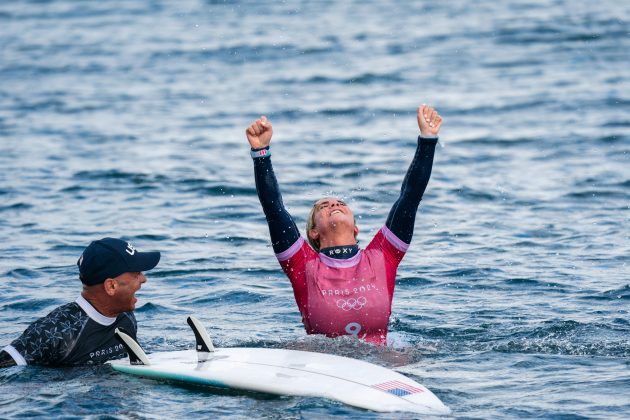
x,y
109,257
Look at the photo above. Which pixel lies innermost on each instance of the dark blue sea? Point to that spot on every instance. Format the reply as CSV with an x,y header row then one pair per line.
x,y
127,118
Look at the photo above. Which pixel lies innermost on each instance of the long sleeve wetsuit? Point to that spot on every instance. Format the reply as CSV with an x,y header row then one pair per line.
x,y
346,290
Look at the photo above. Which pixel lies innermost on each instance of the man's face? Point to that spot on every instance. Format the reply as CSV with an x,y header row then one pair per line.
x,y
126,286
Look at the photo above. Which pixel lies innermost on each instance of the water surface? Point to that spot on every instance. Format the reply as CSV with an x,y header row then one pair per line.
x,y
127,119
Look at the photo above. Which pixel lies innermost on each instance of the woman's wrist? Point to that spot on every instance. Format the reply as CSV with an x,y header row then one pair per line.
x,y
427,137
261,152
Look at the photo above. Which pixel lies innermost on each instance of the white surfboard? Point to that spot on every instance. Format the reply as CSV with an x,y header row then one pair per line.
x,y
283,372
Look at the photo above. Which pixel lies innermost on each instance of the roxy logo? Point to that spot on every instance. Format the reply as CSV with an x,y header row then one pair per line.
x,y
338,251
130,249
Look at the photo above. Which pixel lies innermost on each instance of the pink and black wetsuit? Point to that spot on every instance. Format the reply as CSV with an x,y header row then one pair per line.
x,y
345,290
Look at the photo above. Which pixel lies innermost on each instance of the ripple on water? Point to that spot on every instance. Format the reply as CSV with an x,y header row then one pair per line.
x,y
622,293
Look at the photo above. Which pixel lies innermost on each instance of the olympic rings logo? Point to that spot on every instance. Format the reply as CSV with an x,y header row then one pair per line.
x,y
352,303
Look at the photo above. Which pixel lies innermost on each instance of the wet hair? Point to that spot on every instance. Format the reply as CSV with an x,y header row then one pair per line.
x,y
310,224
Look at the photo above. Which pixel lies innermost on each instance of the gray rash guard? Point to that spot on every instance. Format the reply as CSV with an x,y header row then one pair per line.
x,y
73,334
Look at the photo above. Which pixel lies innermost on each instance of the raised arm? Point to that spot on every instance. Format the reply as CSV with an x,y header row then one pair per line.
x,y
282,228
402,216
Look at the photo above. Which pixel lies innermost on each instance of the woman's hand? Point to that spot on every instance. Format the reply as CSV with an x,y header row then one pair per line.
x,y
429,121
259,133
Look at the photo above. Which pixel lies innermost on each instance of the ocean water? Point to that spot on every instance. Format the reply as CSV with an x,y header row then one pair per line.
x,y
127,119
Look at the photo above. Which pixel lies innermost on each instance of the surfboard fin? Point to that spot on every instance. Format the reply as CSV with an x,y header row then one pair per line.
x,y
204,343
137,356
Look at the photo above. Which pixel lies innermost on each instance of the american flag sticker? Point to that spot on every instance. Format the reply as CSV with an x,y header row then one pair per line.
x,y
398,388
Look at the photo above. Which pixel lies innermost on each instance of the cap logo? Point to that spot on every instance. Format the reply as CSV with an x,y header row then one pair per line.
x,y
130,249
81,260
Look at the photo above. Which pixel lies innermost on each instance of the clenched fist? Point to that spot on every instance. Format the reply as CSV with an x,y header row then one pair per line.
x,y
429,121
259,133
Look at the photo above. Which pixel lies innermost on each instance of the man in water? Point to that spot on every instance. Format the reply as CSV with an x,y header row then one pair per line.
x,y
82,332
341,289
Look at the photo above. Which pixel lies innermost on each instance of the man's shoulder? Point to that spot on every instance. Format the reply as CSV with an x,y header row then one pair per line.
x,y
67,307
46,339
69,311
66,319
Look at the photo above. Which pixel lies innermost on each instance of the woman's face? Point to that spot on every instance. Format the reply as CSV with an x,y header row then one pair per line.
x,y
332,214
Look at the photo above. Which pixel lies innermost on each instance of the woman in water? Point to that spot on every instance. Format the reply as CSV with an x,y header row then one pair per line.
x,y
339,288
